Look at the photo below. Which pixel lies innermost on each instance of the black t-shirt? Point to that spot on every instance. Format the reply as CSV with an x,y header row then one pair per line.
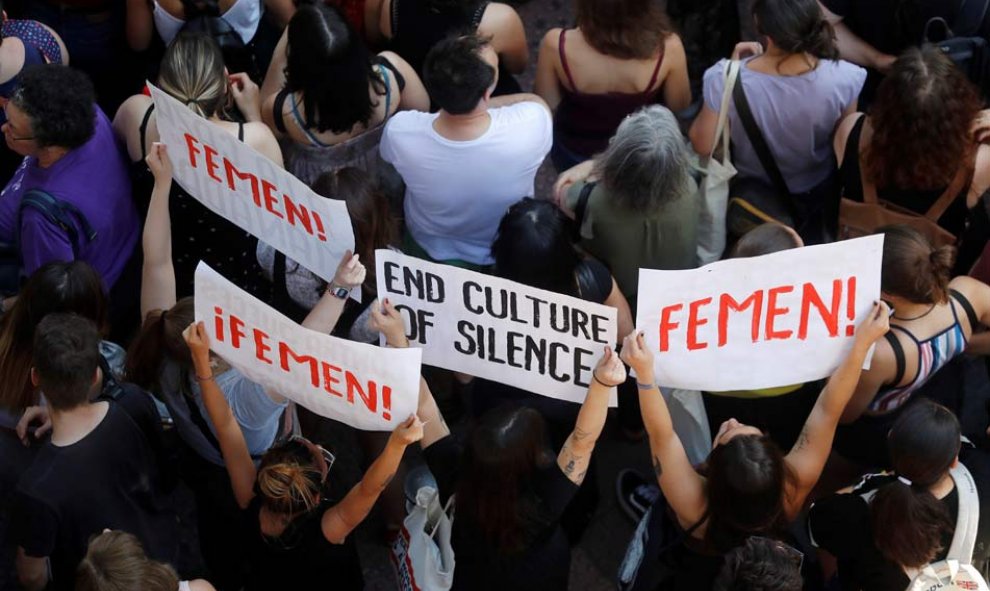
x,y
302,558
840,524
891,26
108,479
543,565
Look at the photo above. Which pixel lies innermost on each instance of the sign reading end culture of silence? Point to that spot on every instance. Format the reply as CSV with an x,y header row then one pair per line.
x,y
251,191
775,320
497,329
364,386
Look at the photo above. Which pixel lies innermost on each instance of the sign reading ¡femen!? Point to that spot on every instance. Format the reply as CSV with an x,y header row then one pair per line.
x,y
238,183
774,320
364,386
497,329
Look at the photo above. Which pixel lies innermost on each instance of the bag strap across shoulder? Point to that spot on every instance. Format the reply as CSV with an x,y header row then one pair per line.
x,y
968,519
59,213
759,142
722,127
581,207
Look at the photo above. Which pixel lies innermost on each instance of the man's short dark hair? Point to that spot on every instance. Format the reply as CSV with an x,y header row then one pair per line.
x,y
761,564
60,103
455,74
66,355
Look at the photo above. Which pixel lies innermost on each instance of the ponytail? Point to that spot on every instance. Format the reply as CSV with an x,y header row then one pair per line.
x,y
289,480
160,339
940,262
908,523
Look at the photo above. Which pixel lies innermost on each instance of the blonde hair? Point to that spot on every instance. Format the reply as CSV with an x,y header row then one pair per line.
x,y
289,481
115,561
192,72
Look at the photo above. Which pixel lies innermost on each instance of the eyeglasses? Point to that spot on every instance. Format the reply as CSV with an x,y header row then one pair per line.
x,y
791,552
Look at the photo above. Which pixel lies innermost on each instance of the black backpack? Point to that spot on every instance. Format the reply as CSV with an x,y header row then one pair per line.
x,y
962,42
203,17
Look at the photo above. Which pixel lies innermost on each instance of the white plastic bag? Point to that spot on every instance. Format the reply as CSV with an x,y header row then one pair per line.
x,y
421,553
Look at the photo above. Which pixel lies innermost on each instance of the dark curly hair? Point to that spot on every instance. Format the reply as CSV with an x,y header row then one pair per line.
x,y
60,103
921,119
760,564
626,29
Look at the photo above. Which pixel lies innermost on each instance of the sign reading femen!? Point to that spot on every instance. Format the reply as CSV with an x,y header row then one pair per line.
x,y
364,386
775,320
238,183
497,329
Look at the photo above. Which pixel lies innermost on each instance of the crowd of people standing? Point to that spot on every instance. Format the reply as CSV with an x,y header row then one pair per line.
x,y
115,414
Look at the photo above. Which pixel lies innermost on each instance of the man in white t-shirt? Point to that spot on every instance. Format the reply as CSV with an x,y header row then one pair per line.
x,y
464,166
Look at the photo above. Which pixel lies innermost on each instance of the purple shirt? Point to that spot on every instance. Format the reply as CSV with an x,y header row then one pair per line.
x,y
94,178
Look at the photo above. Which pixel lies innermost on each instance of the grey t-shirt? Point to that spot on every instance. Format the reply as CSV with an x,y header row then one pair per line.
x,y
796,114
254,410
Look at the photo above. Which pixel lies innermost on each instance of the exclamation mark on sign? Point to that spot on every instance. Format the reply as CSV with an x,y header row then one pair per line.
x,y
386,403
851,306
321,233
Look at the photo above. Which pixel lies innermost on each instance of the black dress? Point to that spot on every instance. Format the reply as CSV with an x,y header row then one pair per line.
x,y
199,234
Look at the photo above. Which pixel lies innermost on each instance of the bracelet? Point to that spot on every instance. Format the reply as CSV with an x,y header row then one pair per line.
x,y
206,379
643,386
338,291
595,377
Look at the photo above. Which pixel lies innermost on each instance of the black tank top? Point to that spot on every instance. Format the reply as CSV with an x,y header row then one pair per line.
x,y
920,201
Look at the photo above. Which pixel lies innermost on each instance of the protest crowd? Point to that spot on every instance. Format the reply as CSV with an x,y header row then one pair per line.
x,y
243,242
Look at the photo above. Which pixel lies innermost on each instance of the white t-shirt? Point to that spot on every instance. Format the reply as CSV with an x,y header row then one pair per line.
x,y
458,191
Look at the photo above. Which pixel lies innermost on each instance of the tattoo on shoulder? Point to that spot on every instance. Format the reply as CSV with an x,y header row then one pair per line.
x,y
657,468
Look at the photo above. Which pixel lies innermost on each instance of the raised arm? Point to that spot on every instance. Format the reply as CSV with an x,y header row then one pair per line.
x,y
341,519
157,274
575,455
325,314
388,321
808,456
681,485
233,447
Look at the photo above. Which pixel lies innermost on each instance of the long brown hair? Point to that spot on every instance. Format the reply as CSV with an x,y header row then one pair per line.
x,y
116,560
626,29
921,119
374,225
160,339
503,454
72,287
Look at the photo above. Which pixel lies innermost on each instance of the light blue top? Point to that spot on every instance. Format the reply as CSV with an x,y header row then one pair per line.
x,y
797,115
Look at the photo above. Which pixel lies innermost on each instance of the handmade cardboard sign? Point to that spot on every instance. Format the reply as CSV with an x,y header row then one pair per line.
x,y
497,329
364,386
775,320
238,183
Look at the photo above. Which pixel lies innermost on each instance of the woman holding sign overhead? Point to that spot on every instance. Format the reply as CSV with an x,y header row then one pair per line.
x,y
297,538
933,320
193,73
747,486
510,487
160,361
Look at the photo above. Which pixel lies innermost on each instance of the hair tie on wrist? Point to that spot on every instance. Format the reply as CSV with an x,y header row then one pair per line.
x,y
904,480
594,376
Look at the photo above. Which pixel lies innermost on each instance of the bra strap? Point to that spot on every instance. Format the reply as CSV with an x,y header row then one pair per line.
x,y
563,59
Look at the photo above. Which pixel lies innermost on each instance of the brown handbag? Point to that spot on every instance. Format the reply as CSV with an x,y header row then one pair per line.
x,y
864,218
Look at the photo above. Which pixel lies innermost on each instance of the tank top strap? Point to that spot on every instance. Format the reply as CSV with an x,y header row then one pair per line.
x,y
383,72
479,14
277,116
563,59
240,131
899,359
656,73
967,307
143,130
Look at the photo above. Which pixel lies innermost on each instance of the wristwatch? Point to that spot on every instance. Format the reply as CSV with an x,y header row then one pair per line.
x,y
338,291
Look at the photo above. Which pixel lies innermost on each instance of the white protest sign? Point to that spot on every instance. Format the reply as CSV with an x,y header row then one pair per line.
x,y
497,329
364,386
238,183
775,320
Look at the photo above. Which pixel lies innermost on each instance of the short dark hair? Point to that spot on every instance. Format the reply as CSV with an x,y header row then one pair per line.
x,y
66,355
60,103
455,75
760,564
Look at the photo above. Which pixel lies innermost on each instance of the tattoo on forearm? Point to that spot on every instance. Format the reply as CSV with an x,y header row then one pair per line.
x,y
657,468
803,439
569,468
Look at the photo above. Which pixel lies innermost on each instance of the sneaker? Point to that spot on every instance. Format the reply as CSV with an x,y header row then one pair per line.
x,y
635,494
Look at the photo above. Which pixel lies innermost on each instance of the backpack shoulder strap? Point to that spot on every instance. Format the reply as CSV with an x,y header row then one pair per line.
x,y
57,212
581,207
968,519
952,192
